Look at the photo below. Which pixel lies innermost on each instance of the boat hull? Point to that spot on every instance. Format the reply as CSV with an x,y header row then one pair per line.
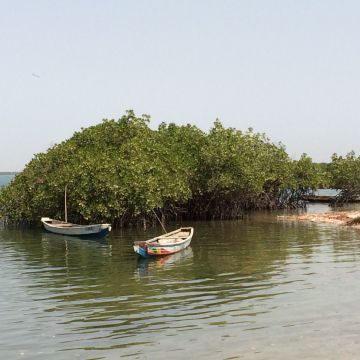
x,y
167,250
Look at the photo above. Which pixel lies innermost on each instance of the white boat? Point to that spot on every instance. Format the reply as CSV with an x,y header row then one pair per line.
x,y
166,244
66,228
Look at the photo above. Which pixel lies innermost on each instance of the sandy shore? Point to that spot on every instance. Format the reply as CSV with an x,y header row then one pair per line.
x,y
347,218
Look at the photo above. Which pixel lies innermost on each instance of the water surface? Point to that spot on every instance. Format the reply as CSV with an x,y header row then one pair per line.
x,y
250,289
5,179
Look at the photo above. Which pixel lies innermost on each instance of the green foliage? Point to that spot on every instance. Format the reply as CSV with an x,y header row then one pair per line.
x,y
307,174
345,171
120,171
344,174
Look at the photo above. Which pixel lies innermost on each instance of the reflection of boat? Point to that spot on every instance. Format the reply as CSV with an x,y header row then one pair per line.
x,y
65,228
150,265
172,259
76,240
166,244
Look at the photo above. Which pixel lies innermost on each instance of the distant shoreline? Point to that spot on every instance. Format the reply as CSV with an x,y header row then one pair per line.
x,y
9,172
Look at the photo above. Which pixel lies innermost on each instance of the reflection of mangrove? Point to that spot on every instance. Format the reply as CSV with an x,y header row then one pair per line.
x,y
247,248
111,265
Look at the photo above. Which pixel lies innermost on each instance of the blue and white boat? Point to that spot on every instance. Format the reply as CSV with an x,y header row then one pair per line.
x,y
66,228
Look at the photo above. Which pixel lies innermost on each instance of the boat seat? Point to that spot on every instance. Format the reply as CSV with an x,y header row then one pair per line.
x,y
167,241
170,240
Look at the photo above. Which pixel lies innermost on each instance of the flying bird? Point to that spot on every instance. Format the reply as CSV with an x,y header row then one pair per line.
x,y
35,75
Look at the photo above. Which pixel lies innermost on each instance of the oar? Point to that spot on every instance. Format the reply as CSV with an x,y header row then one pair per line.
x,y
159,221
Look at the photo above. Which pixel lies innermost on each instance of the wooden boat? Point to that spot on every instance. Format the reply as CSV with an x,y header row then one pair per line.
x,y
65,228
166,244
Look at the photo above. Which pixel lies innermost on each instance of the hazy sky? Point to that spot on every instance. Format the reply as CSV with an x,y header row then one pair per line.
x,y
288,68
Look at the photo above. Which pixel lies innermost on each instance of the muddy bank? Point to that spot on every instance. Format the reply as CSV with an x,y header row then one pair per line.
x,y
343,218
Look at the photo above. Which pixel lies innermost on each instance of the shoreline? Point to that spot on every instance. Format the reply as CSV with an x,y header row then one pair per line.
x,y
339,218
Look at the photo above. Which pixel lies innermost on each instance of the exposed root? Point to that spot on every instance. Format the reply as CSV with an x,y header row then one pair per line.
x,y
354,221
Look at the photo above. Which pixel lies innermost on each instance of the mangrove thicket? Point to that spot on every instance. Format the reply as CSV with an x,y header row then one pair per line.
x,y
343,173
122,171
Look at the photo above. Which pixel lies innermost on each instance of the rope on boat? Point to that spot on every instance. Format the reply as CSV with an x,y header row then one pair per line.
x,y
159,221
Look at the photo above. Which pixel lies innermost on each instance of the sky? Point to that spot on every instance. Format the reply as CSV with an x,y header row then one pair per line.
x,y
290,69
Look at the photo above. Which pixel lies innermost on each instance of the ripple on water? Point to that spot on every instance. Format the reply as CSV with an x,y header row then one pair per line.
x,y
241,289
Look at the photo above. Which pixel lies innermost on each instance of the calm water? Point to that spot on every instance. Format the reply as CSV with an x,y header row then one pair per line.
x,y
251,289
5,179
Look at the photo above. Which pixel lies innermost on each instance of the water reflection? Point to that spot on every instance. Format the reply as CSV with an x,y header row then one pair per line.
x,y
244,288
149,266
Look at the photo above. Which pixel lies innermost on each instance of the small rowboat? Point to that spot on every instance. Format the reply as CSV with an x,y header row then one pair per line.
x,y
166,244
65,228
